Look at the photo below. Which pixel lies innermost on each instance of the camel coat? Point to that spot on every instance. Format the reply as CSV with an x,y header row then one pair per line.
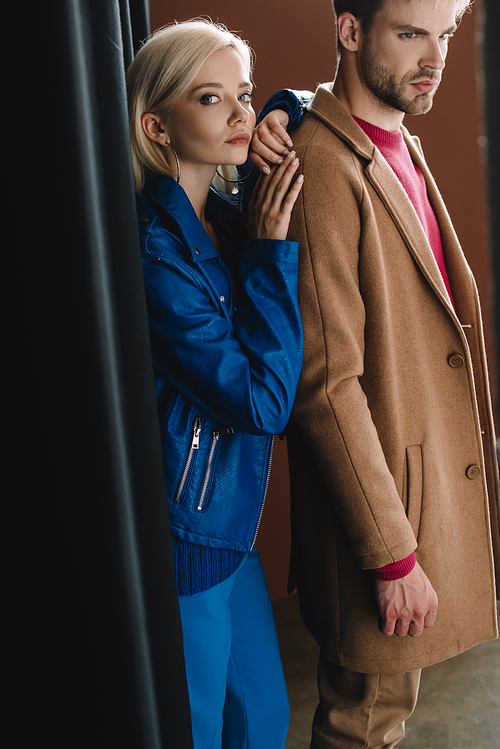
x,y
391,444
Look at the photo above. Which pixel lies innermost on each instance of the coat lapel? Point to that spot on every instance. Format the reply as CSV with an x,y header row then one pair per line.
x,y
397,202
390,190
459,274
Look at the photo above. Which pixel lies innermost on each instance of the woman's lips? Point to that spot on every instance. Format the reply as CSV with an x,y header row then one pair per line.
x,y
240,139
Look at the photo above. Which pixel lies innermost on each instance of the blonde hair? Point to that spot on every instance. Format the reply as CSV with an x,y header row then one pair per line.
x,y
162,71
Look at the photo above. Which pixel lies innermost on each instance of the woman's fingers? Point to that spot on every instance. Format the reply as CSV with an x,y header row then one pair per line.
x,y
293,194
280,134
259,162
269,143
275,186
274,198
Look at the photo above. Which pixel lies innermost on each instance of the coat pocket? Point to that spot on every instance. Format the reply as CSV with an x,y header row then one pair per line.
x,y
413,487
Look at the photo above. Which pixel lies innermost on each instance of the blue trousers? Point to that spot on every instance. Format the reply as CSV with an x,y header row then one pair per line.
x,y
236,686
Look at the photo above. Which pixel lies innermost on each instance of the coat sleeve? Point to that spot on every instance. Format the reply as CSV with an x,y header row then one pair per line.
x,y
241,372
331,406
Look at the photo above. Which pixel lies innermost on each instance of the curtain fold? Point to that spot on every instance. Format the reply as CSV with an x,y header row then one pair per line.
x,y
104,643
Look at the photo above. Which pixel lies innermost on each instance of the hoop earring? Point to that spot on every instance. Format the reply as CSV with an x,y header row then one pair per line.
x,y
176,161
235,181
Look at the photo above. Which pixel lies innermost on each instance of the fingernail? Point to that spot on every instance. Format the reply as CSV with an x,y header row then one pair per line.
x,y
291,155
266,170
300,178
280,161
295,162
289,143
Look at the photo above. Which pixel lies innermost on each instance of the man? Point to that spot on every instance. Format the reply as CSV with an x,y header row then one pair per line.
x,y
391,445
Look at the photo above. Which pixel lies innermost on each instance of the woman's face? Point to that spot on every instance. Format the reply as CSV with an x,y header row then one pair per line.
x,y
212,122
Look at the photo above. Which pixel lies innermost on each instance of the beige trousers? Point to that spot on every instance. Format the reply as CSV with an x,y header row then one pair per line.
x,y
362,711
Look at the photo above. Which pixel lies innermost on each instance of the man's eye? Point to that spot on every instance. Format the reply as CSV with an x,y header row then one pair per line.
x,y
408,35
209,98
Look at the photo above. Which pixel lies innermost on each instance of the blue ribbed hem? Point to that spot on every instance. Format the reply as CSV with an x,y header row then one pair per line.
x,y
199,568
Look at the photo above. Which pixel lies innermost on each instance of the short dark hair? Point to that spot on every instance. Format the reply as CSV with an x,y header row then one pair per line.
x,y
366,10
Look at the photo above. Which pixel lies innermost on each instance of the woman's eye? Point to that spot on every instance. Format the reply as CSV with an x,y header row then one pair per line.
x,y
246,97
209,99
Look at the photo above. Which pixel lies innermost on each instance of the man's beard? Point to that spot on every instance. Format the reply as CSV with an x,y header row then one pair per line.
x,y
391,92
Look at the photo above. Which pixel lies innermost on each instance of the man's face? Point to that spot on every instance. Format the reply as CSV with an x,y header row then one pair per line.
x,y
402,56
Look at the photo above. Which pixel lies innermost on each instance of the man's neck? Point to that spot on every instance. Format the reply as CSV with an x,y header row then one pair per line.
x,y
360,102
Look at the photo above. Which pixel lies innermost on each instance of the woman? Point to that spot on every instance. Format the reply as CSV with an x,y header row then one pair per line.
x,y
226,341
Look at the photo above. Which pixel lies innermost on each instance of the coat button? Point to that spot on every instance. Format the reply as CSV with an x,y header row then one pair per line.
x,y
473,472
197,250
144,220
455,361
223,298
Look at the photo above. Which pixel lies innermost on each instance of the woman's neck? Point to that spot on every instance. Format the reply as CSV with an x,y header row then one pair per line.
x,y
196,181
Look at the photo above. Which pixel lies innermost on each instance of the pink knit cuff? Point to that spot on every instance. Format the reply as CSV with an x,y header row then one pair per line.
x,y
395,570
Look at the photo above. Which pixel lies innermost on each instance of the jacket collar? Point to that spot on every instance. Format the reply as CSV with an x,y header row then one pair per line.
x,y
165,192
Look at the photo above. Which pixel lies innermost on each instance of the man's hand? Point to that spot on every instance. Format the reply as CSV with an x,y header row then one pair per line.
x,y
270,141
408,605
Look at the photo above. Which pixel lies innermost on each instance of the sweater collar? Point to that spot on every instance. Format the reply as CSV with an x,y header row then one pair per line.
x,y
379,136
327,108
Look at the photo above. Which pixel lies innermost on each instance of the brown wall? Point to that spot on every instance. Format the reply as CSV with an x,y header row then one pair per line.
x,y
295,48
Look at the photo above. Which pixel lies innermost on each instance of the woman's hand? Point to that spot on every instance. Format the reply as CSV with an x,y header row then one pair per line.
x,y
270,141
272,201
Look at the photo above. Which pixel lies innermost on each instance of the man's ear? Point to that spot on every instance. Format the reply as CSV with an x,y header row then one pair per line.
x,y
152,126
349,30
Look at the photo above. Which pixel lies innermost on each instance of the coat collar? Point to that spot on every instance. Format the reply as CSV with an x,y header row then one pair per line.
x,y
327,108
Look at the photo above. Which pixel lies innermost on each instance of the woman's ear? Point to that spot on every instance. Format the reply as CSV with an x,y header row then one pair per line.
x,y
154,129
349,31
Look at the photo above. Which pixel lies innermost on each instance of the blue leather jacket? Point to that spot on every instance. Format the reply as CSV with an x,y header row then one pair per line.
x,y
227,344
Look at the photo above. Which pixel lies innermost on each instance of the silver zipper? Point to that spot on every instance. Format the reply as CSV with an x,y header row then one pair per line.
x,y
215,439
195,443
265,494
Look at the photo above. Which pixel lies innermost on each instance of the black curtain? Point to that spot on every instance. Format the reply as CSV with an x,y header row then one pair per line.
x,y
98,644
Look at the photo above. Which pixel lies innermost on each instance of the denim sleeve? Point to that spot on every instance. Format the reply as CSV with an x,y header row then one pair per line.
x,y
294,103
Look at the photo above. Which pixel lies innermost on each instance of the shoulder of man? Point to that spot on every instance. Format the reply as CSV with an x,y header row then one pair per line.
x,y
328,124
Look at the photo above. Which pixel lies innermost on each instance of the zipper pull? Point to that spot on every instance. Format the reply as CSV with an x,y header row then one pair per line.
x,y
196,435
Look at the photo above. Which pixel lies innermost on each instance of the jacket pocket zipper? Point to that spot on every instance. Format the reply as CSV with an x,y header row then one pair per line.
x,y
265,494
208,472
195,443
215,439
